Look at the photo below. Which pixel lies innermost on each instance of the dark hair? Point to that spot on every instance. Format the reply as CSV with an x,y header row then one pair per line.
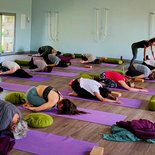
x,y
84,58
152,76
97,61
21,73
151,40
1,89
104,92
48,69
70,108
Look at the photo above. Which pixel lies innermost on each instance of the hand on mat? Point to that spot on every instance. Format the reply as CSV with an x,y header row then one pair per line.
x,y
143,90
118,101
32,109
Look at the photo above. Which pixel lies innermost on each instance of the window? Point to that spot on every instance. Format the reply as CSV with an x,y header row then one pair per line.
x,y
7,32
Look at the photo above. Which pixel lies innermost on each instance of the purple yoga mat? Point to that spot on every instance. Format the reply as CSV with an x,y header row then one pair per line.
x,y
126,102
34,78
150,91
14,87
147,80
108,64
42,143
78,68
93,116
67,74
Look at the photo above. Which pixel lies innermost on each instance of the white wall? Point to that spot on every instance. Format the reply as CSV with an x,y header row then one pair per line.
x,y
128,21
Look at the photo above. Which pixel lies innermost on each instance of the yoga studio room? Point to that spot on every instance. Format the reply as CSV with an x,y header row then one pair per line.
x,y
77,77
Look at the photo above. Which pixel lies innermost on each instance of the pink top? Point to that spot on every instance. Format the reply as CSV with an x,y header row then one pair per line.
x,y
115,76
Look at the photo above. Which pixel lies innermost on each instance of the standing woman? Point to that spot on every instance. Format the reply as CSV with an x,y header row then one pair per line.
x,y
142,44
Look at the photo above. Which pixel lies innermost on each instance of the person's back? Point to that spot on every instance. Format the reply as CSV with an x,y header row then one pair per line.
x,y
10,64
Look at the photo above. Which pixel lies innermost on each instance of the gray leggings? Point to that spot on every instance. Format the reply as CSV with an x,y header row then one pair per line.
x,y
33,97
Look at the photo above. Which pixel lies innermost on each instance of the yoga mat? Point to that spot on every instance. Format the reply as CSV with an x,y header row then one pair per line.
x,y
14,87
147,80
78,68
150,91
42,143
126,102
67,74
34,78
108,64
93,116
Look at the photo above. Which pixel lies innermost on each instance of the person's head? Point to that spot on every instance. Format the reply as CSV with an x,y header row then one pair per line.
x,y
68,107
20,130
130,83
22,74
84,58
152,75
152,41
48,69
104,92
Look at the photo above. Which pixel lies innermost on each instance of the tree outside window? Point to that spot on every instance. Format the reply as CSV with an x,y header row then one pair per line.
x,y
7,32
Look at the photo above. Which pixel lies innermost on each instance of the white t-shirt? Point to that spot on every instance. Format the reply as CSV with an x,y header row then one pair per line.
x,y
150,62
90,85
10,64
90,57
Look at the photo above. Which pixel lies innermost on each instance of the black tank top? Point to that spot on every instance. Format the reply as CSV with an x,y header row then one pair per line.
x,y
47,90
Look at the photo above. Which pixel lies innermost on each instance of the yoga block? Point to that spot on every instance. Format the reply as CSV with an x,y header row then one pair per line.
x,y
97,151
151,105
113,61
22,62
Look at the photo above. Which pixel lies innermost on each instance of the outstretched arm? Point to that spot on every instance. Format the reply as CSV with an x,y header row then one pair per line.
x,y
124,85
11,71
98,95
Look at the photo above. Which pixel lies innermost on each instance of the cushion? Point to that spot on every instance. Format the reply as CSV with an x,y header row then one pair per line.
x,y
89,76
85,75
38,120
77,55
113,61
151,105
119,71
22,62
16,97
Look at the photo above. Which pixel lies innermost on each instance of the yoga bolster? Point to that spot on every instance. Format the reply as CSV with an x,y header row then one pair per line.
x,y
113,61
151,105
89,76
15,97
68,55
22,62
119,71
77,55
38,120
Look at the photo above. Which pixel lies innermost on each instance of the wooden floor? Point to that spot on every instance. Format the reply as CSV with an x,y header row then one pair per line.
x,y
90,131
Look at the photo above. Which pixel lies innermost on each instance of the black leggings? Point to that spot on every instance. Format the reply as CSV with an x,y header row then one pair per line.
x,y
80,91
